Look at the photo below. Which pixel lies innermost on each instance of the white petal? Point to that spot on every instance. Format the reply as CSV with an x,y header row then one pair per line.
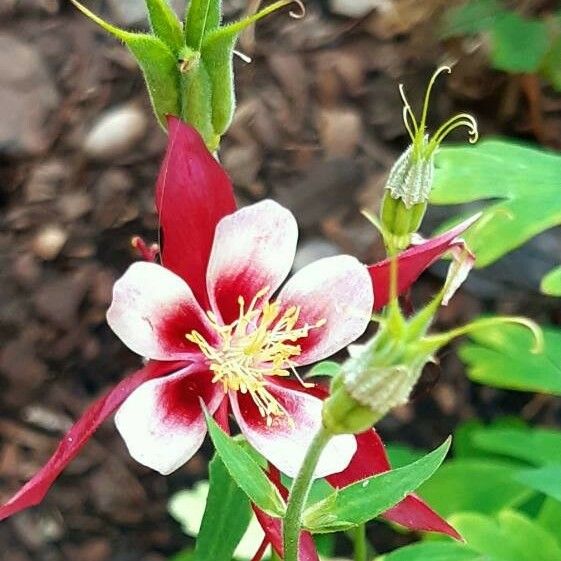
x,y
162,422
337,290
152,311
253,249
286,441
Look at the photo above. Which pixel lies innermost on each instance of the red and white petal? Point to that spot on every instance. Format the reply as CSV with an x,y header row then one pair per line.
x,y
162,422
253,248
152,311
192,194
413,261
337,290
33,492
285,442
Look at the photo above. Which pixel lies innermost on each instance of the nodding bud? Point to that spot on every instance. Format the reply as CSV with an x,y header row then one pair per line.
x,y
411,177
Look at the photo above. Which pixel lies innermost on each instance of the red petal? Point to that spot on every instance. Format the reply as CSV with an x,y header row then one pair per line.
x,y
412,262
192,194
36,488
371,459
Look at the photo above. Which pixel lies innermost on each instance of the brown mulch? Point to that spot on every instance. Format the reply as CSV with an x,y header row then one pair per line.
x,y
317,126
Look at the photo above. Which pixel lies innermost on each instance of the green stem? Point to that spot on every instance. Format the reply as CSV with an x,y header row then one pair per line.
x,y
299,495
359,543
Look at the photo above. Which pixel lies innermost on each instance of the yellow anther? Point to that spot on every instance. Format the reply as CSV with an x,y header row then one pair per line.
x,y
259,343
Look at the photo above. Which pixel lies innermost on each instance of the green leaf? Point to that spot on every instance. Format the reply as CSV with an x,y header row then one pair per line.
x,y
245,471
157,62
551,283
470,18
510,536
551,64
536,446
485,486
185,555
327,368
518,44
227,515
546,480
525,180
164,24
549,517
437,551
502,357
366,499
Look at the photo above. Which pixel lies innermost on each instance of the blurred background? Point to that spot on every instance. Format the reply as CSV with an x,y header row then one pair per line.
x,y
317,127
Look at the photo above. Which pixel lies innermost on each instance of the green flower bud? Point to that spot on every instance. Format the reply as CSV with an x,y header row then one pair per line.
x,y
411,178
188,67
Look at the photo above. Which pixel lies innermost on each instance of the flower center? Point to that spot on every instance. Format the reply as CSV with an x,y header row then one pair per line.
x,y
260,342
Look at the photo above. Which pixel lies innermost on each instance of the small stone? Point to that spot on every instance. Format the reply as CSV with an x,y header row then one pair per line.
x,y
115,132
352,8
49,241
242,162
312,250
340,129
45,181
59,300
74,205
27,97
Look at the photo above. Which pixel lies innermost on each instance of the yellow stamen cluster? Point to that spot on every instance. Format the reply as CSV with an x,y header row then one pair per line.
x,y
260,342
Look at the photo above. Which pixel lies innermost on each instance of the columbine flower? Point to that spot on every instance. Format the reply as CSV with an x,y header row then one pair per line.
x,y
242,347
193,195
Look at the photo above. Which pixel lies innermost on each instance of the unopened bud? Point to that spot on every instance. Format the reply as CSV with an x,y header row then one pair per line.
x,y
411,177
381,388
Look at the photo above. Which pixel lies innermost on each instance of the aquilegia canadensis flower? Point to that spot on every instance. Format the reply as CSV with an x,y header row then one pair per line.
x,y
197,212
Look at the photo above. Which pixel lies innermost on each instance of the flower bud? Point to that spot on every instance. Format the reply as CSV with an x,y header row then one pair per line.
x,y
411,178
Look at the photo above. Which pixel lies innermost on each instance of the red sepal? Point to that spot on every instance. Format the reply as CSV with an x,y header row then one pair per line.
x,y
33,492
192,194
413,261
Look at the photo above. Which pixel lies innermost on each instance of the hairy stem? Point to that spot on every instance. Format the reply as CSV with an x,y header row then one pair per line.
x,y
299,495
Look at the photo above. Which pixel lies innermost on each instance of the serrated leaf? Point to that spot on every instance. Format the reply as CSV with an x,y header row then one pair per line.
x,y
164,24
326,368
445,551
227,514
245,471
551,283
525,180
470,18
518,44
502,357
477,485
366,499
157,62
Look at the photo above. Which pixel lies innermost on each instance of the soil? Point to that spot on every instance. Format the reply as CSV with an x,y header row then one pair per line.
x,y
317,127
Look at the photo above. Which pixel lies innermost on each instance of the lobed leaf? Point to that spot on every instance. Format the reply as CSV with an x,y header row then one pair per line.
x,y
501,357
521,185
551,283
